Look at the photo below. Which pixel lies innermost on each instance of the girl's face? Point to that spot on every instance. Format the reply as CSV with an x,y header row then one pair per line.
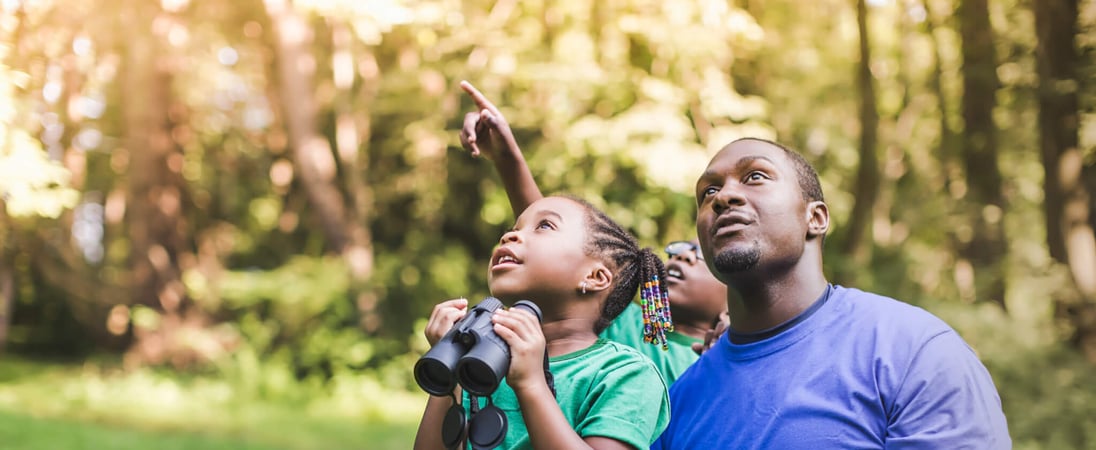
x,y
542,257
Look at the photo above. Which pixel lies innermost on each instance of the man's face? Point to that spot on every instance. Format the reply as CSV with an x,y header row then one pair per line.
x,y
695,294
751,212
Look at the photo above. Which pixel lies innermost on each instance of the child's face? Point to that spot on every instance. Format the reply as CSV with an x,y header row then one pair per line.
x,y
542,257
695,294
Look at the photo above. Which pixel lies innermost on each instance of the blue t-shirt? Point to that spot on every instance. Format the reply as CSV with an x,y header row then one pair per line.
x,y
862,372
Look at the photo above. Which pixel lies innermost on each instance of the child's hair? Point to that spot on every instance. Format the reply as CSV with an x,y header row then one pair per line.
x,y
633,269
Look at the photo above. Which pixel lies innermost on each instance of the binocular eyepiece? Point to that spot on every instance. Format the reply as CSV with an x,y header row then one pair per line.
x,y
470,353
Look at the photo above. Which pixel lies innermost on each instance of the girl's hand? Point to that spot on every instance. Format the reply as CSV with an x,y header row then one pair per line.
x,y
443,317
521,330
486,131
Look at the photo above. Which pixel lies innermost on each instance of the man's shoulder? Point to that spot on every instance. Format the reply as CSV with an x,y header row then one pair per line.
x,y
887,312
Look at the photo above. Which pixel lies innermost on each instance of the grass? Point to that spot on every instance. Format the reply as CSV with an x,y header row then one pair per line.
x,y
65,406
18,431
32,433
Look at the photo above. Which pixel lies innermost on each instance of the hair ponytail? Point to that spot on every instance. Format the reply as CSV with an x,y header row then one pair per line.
x,y
634,269
654,300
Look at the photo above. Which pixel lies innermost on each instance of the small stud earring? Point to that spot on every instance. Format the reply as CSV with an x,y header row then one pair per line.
x,y
583,287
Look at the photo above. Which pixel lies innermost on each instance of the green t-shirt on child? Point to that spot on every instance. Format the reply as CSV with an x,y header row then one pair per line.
x,y
627,329
606,390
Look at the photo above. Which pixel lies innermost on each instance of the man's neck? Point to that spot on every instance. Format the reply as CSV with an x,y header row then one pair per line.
x,y
759,303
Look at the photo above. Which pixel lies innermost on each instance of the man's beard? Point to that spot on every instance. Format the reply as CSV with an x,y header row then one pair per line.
x,y
737,260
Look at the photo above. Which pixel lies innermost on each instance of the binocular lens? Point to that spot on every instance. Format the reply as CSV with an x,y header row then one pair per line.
x,y
434,377
477,378
481,369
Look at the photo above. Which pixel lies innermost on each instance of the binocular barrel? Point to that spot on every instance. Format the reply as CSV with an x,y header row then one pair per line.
x,y
470,354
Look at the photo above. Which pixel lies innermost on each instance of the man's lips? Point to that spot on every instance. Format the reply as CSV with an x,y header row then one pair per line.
x,y
731,222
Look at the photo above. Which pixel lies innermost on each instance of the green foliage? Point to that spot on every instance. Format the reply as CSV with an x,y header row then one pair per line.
x,y
296,319
31,185
619,102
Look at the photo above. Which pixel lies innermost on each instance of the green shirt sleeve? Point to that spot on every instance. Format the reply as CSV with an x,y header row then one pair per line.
x,y
628,402
627,329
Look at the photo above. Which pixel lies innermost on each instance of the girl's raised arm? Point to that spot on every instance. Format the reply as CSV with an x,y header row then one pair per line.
x,y
486,132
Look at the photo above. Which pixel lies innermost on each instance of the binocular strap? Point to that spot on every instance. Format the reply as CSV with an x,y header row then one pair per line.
x,y
548,373
485,430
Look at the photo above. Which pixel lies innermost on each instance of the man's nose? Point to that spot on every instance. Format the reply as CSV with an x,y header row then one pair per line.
x,y
729,195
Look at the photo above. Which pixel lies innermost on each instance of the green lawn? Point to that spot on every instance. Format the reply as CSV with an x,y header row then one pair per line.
x,y
58,406
31,433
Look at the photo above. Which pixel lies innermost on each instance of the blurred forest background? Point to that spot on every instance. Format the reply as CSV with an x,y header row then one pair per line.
x,y
224,223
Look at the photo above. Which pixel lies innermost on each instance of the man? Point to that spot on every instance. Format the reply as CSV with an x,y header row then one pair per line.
x,y
807,364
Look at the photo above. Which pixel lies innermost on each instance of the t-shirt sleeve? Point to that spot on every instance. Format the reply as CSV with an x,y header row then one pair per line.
x,y
947,400
628,404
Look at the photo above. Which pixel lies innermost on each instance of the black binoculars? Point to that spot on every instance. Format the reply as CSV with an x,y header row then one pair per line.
x,y
470,353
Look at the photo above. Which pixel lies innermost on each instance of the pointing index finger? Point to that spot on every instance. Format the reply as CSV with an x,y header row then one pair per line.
x,y
481,101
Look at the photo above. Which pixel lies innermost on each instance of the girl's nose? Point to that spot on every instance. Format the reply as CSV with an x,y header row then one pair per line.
x,y
509,236
687,256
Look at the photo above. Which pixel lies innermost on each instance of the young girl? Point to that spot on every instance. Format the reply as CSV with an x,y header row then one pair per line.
x,y
696,297
582,270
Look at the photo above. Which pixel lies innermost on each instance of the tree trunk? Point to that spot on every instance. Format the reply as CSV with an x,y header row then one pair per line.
x,y
7,278
948,137
986,247
352,135
867,174
347,229
310,150
1067,204
155,225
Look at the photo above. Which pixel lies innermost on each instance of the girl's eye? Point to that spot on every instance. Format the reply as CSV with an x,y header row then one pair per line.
x,y
545,225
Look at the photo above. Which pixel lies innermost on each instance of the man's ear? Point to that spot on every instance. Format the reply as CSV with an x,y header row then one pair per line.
x,y
818,219
598,279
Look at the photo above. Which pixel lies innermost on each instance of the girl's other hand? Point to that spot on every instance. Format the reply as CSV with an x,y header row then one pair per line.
x,y
443,317
521,330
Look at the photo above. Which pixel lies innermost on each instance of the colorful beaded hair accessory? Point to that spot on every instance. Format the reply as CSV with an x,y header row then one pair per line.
x,y
655,303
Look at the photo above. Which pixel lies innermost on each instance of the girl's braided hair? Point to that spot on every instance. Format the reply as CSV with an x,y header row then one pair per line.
x,y
633,269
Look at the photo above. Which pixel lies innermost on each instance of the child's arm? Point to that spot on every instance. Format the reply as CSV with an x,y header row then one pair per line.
x,y
429,434
548,428
486,132
443,317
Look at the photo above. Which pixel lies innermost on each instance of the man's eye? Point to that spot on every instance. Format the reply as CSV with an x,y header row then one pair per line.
x,y
756,176
710,190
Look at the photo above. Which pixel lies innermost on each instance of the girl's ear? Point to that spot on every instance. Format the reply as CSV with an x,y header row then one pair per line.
x,y
818,219
598,279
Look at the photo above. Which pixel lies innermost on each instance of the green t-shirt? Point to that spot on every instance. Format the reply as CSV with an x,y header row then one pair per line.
x,y
606,390
627,329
